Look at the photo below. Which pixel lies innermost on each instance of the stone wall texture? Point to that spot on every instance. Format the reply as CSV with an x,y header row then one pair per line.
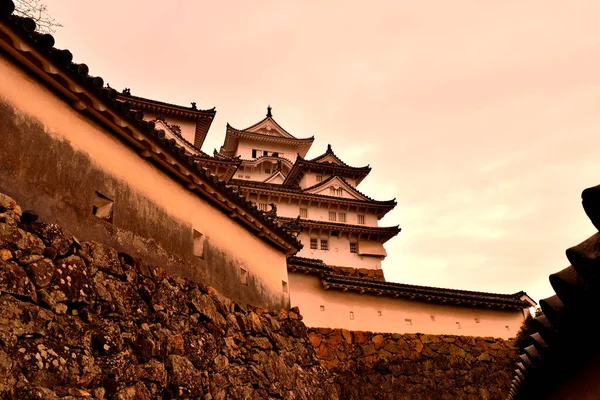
x,y
369,365
80,321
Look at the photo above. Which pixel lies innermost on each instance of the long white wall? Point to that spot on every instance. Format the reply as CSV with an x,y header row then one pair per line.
x,y
262,261
336,309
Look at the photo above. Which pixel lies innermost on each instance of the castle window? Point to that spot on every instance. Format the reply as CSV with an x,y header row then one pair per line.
x,y
275,154
342,217
267,170
303,213
265,153
353,247
313,243
243,276
255,152
102,207
332,215
319,178
360,219
198,244
284,286
408,321
339,192
262,206
324,244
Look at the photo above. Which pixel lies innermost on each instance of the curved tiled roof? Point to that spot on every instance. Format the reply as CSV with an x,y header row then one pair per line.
x,y
352,188
301,165
384,233
333,279
329,152
88,94
269,117
166,106
202,118
425,293
232,136
383,206
564,345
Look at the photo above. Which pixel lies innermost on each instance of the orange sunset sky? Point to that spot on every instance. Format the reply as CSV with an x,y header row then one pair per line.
x,y
482,118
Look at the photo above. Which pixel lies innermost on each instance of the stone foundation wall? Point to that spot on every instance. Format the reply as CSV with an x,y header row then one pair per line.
x,y
368,365
80,321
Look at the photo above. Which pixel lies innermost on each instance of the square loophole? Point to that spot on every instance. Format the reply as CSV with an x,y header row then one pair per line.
x,y
284,286
351,314
432,318
379,313
243,276
408,321
458,325
322,308
198,244
102,207
477,320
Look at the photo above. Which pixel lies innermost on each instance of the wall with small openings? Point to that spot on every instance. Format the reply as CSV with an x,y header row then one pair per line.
x,y
333,308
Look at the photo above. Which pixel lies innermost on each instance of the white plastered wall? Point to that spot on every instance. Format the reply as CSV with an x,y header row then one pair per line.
x,y
338,254
387,314
112,155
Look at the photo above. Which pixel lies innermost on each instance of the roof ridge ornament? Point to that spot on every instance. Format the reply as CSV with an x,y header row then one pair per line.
x,y
269,114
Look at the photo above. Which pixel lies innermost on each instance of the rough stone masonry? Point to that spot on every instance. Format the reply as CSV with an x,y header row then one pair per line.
x,y
80,321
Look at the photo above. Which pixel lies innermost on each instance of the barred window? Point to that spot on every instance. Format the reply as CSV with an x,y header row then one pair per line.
x,y
313,243
332,215
303,213
324,244
353,247
319,178
361,219
342,217
262,206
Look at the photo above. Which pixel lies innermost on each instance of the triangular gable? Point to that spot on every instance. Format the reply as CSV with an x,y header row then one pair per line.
x,y
269,127
337,183
276,178
330,158
170,134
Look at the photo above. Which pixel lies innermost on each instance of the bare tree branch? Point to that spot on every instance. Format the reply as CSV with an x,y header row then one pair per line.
x,y
37,11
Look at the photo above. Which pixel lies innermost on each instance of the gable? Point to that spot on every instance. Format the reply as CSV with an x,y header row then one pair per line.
x,y
335,186
277,178
329,159
269,127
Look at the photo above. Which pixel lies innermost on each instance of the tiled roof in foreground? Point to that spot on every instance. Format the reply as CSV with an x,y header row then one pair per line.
x,y
87,94
565,345
332,279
